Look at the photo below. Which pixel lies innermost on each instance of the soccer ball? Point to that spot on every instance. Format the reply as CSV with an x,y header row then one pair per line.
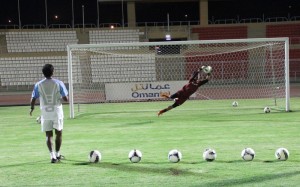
x,y
206,69
248,154
94,156
174,156
282,154
38,120
235,104
267,109
135,156
209,155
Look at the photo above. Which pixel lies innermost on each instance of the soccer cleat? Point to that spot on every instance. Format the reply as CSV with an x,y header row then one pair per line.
x,y
53,160
61,157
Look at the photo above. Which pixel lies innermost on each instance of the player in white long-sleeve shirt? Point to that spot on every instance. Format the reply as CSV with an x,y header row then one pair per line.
x,y
50,92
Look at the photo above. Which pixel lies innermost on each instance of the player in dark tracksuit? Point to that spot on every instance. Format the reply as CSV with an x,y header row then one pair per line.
x,y
186,91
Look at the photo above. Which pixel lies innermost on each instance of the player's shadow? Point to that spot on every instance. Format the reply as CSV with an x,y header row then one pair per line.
x,y
141,167
134,123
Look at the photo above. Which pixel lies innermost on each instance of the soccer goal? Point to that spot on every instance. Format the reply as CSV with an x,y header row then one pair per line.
x,y
251,69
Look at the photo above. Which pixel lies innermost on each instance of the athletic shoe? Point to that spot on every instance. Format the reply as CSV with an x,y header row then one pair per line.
x,y
53,160
61,157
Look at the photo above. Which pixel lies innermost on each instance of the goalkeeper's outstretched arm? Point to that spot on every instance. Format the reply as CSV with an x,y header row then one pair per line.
x,y
195,75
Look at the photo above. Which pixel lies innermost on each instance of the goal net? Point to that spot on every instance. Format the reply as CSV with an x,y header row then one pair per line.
x,y
243,69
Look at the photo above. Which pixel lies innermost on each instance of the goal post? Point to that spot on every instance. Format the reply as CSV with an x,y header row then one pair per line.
x,y
256,69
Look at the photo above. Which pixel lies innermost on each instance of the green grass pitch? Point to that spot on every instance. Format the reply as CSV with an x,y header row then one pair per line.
x,y
115,129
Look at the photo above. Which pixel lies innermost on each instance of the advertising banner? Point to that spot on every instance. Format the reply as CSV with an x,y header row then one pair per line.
x,y
144,90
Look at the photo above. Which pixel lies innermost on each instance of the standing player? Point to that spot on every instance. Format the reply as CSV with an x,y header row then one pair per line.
x,y
186,91
50,92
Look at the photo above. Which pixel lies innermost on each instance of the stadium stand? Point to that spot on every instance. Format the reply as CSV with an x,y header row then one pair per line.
x,y
25,71
39,41
293,32
113,68
28,49
268,30
114,36
215,33
219,63
294,64
284,30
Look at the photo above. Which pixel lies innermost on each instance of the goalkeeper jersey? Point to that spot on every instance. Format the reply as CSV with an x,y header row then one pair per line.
x,y
187,90
50,93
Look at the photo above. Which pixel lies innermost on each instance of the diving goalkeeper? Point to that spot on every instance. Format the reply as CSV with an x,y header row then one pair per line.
x,y
186,91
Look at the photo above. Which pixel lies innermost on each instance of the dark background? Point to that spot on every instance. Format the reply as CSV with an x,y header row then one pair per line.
x,y
33,11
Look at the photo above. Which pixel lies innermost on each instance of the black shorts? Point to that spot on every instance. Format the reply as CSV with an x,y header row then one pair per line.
x,y
175,95
180,100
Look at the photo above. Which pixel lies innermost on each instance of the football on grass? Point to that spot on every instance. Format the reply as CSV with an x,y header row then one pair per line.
x,y
282,154
207,69
267,109
38,120
235,104
248,154
174,156
94,156
135,156
209,155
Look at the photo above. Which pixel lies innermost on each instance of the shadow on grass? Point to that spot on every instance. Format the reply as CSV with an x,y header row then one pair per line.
x,y
26,163
173,168
251,180
135,123
112,112
255,160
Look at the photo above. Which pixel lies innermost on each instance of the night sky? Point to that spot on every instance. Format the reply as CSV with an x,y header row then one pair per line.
x,y
33,11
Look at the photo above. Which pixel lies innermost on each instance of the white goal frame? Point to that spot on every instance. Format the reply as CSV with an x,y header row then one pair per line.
x,y
72,47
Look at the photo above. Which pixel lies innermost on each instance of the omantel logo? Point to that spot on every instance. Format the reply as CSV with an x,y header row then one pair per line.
x,y
149,90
